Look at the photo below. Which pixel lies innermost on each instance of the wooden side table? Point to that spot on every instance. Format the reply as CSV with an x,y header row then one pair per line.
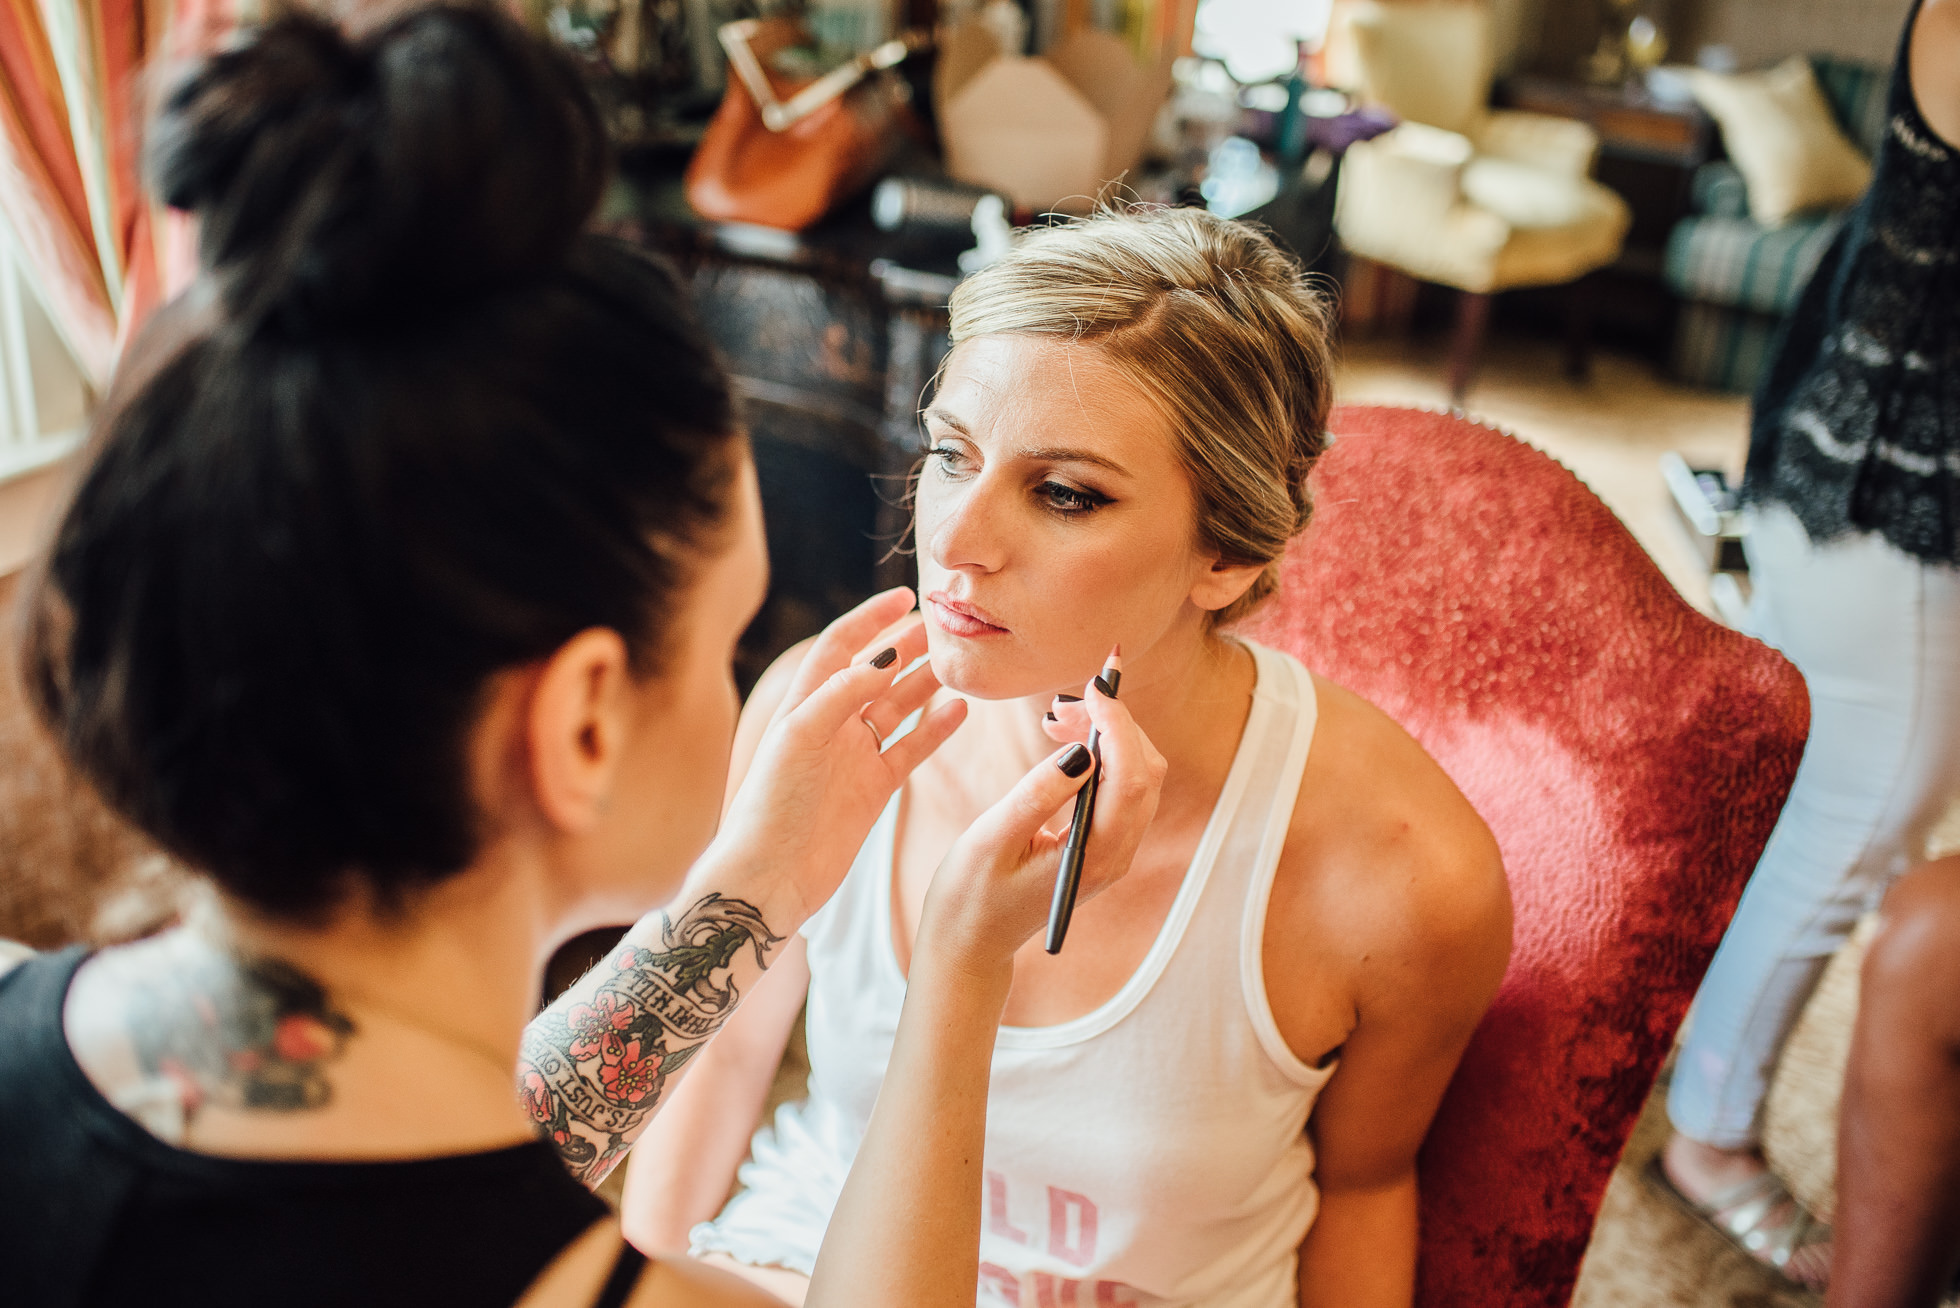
x,y
832,336
1648,152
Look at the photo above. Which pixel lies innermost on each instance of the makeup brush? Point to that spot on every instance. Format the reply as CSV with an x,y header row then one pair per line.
x,y
1068,878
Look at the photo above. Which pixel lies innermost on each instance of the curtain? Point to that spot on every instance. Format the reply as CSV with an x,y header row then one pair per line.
x,y
76,77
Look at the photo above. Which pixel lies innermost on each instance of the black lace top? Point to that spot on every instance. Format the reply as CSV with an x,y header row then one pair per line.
x,y
1857,422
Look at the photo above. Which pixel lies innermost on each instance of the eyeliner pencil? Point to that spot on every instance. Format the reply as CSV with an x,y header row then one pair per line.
x,y
1068,877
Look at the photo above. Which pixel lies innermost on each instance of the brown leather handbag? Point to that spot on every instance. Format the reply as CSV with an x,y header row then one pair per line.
x,y
780,152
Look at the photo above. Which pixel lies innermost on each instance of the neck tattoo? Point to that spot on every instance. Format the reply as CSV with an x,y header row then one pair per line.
x,y
245,1034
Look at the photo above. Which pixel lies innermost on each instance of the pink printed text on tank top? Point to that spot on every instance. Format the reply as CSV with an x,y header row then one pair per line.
x,y
1071,1238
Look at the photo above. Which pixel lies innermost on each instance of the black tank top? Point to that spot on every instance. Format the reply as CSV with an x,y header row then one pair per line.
x,y
1857,419
96,1210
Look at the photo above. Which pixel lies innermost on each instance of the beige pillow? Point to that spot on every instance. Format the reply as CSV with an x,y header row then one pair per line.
x,y
1780,134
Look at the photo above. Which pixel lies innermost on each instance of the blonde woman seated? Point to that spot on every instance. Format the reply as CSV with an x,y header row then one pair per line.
x,y
1215,1093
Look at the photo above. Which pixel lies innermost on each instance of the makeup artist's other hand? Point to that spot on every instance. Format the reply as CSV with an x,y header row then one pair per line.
x,y
993,890
819,778
1068,716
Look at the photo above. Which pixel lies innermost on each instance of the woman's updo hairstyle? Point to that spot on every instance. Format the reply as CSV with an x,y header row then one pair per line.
x,y
1218,326
341,184
412,428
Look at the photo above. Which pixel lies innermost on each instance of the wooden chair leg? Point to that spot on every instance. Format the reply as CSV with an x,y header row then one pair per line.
x,y
1472,314
1578,329
1399,292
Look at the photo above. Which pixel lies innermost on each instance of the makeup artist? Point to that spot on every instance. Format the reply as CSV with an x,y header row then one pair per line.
x,y
398,598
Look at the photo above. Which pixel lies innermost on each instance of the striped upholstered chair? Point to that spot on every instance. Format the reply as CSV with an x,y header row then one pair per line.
x,y
1735,278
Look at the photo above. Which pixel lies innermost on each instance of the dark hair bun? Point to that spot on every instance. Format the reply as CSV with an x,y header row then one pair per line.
x,y
362,180
434,431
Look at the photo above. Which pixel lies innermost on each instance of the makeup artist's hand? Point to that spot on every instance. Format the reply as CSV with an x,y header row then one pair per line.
x,y
1068,717
821,776
993,890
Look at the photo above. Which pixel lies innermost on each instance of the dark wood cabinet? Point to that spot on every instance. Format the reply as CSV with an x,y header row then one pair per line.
x,y
833,336
1648,153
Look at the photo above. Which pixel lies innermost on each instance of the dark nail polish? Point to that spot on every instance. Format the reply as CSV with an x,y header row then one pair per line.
x,y
1068,699
1108,690
1074,762
1051,717
885,658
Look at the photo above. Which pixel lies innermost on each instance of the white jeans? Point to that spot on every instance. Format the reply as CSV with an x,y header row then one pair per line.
x,y
1876,634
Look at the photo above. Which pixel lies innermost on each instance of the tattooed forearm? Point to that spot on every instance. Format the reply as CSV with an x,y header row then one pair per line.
x,y
596,1062
246,1034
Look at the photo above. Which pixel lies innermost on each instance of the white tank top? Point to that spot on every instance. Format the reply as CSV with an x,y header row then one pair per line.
x,y
1153,1151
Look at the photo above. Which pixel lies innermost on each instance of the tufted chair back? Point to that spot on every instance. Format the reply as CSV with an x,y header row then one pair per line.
x,y
1430,61
1629,754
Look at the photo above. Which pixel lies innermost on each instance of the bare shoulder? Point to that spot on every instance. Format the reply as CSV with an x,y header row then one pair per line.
x,y
149,987
96,1012
1934,66
1386,863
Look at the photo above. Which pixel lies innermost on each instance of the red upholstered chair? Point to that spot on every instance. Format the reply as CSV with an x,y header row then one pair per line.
x,y
1631,757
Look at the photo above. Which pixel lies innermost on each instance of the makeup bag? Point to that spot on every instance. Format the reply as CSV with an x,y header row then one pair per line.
x,y
782,151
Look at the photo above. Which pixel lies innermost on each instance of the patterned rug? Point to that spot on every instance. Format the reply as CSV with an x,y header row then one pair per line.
x,y
1647,1253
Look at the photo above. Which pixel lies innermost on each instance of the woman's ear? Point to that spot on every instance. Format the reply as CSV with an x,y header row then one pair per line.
x,y
1221,583
576,728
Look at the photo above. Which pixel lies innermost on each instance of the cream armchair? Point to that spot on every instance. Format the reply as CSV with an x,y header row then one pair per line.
x,y
1460,194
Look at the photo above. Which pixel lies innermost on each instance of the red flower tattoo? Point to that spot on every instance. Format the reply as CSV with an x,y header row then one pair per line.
x,y
537,1095
303,1038
629,1078
538,1102
594,1026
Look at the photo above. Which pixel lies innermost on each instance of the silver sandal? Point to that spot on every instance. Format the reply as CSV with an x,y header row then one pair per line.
x,y
1796,1246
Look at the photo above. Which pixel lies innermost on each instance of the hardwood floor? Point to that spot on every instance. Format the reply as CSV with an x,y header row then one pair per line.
x,y
1610,430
